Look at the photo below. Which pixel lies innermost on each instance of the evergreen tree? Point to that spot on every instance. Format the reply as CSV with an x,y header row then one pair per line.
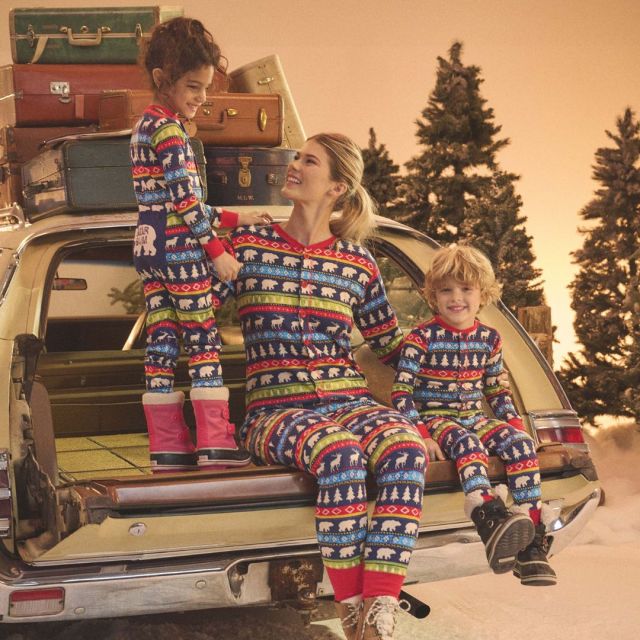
x,y
455,189
381,178
457,132
604,376
494,225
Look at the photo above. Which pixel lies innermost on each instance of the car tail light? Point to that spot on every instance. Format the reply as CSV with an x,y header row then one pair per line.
x,y
567,435
561,426
36,602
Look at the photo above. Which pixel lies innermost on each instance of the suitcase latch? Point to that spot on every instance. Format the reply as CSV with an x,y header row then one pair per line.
x,y
262,119
244,175
62,89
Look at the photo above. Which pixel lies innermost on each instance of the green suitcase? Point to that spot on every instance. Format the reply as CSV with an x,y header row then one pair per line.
x,y
87,172
111,35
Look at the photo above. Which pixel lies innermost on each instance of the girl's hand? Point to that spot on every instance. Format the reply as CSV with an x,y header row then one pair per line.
x,y
227,267
254,217
434,452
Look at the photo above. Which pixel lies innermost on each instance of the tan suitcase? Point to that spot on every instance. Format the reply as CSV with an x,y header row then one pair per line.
x,y
225,119
267,76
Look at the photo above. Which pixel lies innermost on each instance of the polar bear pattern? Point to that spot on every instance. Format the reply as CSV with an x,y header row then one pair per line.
x,y
144,243
174,225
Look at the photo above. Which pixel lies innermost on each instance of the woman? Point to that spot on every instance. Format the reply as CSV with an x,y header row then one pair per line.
x,y
303,286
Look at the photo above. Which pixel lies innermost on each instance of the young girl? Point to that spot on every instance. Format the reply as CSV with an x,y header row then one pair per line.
x,y
173,241
448,365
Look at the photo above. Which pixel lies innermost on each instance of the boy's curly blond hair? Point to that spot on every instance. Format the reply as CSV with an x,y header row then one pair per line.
x,y
464,264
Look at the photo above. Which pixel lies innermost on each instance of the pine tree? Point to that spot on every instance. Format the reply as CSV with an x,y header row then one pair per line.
x,y
494,225
381,178
455,190
604,376
457,131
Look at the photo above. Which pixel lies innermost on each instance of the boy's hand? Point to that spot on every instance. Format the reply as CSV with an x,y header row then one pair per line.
x,y
227,267
503,379
434,452
254,217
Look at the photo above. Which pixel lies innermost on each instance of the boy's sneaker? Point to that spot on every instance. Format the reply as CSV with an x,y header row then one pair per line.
x,y
504,534
532,566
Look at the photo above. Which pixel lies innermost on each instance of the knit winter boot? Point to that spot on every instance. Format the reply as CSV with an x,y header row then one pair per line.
x,y
504,534
217,446
532,566
378,618
170,446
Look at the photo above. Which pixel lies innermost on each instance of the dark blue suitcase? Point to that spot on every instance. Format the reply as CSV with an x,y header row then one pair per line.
x,y
246,175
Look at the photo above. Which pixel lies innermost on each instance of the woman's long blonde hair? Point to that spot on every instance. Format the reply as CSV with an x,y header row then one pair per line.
x,y
356,222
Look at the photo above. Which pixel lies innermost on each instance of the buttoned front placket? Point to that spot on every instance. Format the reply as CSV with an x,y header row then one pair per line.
x,y
307,291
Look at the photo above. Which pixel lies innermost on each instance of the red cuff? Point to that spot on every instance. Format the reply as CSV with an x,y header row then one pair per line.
x,y
214,248
424,432
517,423
229,218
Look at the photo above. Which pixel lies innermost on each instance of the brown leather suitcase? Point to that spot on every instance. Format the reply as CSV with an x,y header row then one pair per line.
x,y
60,94
225,119
19,145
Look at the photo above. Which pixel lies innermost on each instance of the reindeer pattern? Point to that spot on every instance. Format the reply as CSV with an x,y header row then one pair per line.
x,y
174,225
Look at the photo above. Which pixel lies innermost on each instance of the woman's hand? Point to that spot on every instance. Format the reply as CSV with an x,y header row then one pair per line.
x,y
226,266
254,217
434,452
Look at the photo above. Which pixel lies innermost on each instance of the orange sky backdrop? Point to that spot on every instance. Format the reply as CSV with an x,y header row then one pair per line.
x,y
557,74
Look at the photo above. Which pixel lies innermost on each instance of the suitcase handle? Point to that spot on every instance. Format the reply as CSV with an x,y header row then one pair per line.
x,y
34,189
216,126
84,38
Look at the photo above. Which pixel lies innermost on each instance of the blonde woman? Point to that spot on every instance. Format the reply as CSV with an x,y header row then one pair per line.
x,y
303,287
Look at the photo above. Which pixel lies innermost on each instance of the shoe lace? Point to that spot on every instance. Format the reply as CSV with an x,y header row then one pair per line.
x,y
350,619
382,616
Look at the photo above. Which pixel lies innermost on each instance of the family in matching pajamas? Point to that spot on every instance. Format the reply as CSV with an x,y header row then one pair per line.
x,y
302,288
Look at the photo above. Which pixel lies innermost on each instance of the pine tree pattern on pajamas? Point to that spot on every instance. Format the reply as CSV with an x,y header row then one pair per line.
x,y
442,377
174,232
308,405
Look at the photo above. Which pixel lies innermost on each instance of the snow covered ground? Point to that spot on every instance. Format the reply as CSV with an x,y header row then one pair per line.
x,y
597,596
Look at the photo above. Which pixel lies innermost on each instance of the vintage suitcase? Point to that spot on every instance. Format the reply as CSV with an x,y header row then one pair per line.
x,y
226,119
83,35
267,76
20,144
246,176
17,146
66,94
84,173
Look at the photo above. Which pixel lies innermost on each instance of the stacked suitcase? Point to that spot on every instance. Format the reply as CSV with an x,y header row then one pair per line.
x,y
74,91
63,60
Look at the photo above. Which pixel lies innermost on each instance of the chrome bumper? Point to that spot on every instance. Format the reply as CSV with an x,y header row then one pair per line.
x,y
119,590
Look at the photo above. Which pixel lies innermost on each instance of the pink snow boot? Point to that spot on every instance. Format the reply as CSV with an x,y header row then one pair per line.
x,y
217,447
170,446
